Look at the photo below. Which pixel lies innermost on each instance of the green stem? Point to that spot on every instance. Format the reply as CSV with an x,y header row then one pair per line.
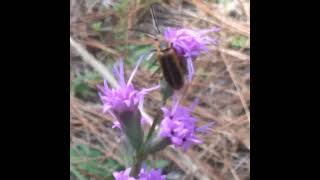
x,y
140,154
137,164
157,145
153,127
154,123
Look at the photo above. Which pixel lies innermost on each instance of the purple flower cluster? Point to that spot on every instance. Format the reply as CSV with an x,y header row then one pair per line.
x,y
151,175
143,175
125,97
123,175
190,43
180,126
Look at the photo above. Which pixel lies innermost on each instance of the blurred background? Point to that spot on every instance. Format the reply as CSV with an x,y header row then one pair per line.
x,y
99,36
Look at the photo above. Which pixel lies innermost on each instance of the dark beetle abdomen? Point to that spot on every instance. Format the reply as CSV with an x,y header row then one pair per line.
x,y
171,68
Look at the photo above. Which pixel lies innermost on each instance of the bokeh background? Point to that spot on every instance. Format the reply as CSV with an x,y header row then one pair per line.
x,y
99,36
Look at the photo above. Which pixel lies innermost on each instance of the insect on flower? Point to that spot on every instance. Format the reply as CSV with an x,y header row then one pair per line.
x,y
176,49
171,63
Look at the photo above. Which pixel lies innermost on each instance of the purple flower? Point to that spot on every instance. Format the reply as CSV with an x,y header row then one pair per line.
x,y
123,175
125,104
151,175
180,126
190,43
143,175
125,97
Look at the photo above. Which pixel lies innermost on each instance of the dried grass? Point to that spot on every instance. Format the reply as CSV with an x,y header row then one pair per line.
x,y
222,86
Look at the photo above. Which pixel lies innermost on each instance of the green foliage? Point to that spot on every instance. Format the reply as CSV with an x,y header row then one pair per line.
x,y
136,51
238,42
86,162
224,2
156,164
121,9
80,85
96,26
122,6
161,164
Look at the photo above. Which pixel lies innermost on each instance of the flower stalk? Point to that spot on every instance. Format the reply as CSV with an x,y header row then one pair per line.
x,y
176,126
137,164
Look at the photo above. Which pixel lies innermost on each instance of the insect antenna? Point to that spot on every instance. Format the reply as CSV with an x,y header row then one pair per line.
x,y
154,20
146,33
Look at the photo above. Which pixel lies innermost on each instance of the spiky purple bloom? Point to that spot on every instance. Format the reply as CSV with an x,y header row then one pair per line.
x,y
125,97
123,175
151,175
180,126
125,104
190,43
143,175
